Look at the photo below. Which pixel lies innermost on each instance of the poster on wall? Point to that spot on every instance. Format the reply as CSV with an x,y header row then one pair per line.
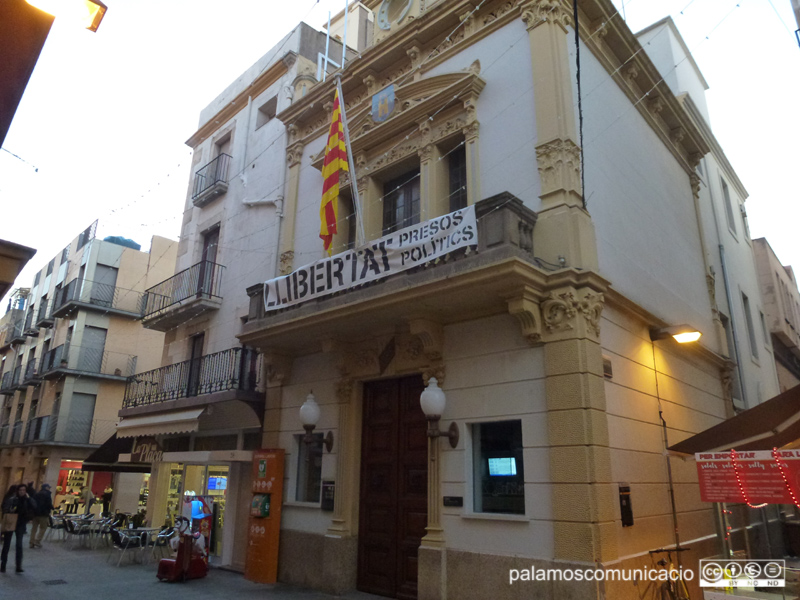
x,y
755,477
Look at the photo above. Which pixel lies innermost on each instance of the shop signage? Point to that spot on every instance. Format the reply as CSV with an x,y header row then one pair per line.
x,y
755,477
146,450
404,249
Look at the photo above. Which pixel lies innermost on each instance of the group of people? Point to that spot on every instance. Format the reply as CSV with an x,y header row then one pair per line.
x,y
23,504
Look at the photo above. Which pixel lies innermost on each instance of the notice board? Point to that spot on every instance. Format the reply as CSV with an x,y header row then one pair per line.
x,y
756,477
264,528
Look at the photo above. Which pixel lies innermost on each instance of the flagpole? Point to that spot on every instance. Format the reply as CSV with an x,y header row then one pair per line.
x,y
353,185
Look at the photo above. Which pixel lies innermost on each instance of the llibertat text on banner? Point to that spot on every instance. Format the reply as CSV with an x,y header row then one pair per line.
x,y
404,249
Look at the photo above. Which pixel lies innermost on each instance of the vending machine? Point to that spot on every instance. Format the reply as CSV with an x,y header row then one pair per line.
x,y
264,529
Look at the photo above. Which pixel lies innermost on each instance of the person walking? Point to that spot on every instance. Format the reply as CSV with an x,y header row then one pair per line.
x,y
41,519
88,498
107,495
17,510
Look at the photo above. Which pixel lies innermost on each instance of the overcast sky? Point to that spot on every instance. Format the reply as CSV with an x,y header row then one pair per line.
x,y
101,128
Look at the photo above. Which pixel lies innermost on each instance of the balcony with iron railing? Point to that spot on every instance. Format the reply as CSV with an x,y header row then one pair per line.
x,y
30,329
17,336
69,359
16,378
67,430
186,295
489,277
31,374
211,180
235,370
84,294
4,434
6,386
16,432
44,318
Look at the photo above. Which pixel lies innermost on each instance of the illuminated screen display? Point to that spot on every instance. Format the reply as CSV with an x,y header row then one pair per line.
x,y
217,483
502,467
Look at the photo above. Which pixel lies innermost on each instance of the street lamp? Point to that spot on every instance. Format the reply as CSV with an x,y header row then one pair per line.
x,y
309,417
88,13
680,333
432,400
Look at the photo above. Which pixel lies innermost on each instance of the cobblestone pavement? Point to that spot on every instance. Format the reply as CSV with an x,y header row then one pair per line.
x,y
70,572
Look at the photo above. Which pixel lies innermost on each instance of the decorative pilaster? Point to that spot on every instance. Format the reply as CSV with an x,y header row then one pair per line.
x,y
580,458
341,521
277,369
294,154
470,131
564,230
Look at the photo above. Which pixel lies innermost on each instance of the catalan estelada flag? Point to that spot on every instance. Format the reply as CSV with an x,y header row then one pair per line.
x,y
335,161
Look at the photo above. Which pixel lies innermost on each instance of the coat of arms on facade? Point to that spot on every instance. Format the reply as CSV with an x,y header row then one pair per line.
x,y
383,104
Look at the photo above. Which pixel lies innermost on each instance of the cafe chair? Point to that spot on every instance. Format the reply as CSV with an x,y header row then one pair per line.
x,y
123,542
55,527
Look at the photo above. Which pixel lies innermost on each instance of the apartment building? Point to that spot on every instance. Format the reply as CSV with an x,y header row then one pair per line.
x,y
69,343
781,312
539,315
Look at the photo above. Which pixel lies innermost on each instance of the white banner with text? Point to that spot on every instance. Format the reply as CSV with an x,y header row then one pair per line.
x,y
398,251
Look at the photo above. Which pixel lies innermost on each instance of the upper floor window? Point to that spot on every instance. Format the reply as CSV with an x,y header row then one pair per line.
x,y
401,202
267,112
751,331
726,195
457,170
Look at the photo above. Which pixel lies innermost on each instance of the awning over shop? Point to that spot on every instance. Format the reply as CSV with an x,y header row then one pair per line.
x,y
772,424
164,423
106,457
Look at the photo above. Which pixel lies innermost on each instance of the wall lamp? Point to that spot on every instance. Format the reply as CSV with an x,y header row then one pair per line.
x,y
682,334
87,13
432,401
309,417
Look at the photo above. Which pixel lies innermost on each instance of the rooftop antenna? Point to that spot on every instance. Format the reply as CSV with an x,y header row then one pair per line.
x,y
344,38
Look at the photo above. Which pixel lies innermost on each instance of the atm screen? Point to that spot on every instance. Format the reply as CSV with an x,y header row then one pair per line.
x,y
505,466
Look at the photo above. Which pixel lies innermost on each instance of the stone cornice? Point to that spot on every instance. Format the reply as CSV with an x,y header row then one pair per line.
x,y
716,149
435,36
278,69
425,38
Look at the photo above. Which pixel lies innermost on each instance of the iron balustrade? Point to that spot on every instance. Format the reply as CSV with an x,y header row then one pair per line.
x,y
44,318
202,280
40,429
5,386
86,359
72,430
29,327
16,333
4,434
16,432
30,371
101,295
233,369
214,172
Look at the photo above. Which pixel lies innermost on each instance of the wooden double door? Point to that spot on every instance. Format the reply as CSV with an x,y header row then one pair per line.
x,y
393,511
